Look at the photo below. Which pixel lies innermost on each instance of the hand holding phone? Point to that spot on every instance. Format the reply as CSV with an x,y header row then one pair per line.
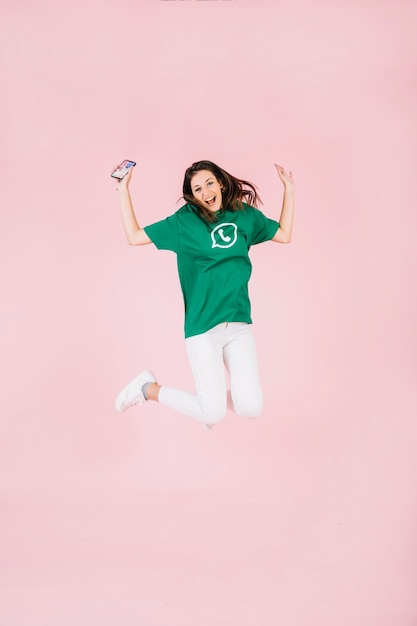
x,y
121,170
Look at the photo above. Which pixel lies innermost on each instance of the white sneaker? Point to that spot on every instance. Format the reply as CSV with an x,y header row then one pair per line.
x,y
132,394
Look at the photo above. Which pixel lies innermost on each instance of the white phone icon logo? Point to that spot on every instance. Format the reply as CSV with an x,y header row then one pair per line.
x,y
225,238
224,235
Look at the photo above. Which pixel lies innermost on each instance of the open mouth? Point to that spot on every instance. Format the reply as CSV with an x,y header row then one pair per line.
x,y
211,201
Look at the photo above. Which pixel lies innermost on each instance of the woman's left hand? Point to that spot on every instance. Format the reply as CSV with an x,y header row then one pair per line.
x,y
287,178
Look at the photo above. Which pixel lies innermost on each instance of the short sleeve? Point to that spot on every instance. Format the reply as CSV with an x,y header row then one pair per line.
x,y
164,234
263,228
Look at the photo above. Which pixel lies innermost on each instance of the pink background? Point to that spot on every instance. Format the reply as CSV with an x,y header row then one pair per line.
x,y
307,516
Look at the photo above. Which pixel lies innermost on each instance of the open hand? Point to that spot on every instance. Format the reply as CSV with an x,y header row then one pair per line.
x,y
287,178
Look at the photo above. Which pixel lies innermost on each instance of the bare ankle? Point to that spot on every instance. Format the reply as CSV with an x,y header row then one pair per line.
x,y
152,391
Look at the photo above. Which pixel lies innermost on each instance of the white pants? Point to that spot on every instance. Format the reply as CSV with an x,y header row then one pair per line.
x,y
229,344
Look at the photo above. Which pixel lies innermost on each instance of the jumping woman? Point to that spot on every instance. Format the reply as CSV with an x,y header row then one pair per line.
x,y
211,234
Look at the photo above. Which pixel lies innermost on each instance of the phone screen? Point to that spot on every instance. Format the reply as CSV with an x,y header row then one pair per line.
x,y
122,169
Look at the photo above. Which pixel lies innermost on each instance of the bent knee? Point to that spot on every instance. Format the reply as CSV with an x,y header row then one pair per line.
x,y
249,410
211,418
213,408
213,412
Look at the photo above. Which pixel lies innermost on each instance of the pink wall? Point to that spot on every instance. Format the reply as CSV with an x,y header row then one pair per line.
x,y
306,517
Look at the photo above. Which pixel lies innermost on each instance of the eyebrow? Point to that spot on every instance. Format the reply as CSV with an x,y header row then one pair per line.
x,y
206,181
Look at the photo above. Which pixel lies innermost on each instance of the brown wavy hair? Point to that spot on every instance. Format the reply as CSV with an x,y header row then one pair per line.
x,y
235,191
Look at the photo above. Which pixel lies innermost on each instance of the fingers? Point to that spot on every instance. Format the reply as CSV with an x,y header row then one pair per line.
x,y
123,183
282,173
128,170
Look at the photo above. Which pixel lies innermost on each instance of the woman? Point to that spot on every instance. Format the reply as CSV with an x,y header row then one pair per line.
x,y
211,236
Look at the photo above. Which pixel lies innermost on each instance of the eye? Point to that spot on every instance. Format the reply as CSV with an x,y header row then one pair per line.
x,y
210,182
197,189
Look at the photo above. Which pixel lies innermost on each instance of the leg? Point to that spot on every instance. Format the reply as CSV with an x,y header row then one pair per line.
x,y
242,364
209,404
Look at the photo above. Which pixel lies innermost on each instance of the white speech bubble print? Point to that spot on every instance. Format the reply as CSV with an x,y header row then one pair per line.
x,y
224,235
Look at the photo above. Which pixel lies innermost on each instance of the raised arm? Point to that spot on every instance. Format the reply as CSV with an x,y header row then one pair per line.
x,y
284,232
135,235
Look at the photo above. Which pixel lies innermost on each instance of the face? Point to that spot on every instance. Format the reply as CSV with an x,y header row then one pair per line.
x,y
206,188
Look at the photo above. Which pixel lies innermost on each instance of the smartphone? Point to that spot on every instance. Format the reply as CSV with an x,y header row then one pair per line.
x,y
122,169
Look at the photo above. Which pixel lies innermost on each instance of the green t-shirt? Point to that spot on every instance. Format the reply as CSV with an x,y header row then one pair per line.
x,y
213,261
